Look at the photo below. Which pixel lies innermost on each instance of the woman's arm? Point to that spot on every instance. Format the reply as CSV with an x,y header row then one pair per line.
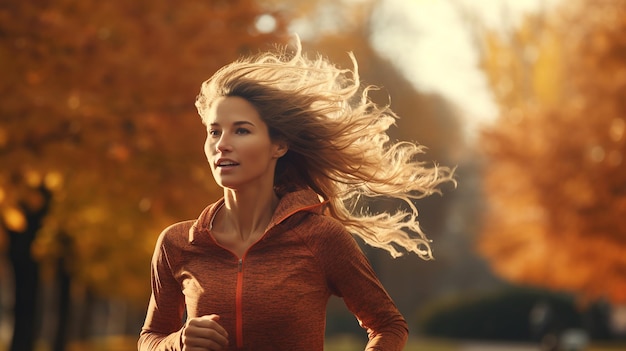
x,y
351,277
162,329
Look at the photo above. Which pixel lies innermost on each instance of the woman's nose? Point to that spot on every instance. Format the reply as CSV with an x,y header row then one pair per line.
x,y
223,143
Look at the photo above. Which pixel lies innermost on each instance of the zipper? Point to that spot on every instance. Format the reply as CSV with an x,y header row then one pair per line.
x,y
239,303
239,288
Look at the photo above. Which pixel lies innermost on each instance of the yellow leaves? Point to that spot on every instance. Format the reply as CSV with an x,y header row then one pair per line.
x,y
32,178
524,67
94,214
496,60
53,180
14,219
555,192
73,121
548,74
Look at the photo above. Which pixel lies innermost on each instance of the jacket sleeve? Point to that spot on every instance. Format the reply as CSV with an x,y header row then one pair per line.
x,y
162,329
351,277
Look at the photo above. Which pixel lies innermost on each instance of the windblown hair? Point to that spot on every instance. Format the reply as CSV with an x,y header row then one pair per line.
x,y
338,142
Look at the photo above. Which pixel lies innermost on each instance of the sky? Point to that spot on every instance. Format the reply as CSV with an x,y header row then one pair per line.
x,y
428,41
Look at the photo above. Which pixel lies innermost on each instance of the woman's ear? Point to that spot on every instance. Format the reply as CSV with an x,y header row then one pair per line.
x,y
280,148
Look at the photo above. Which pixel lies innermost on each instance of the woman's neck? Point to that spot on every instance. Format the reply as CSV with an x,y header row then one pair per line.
x,y
247,213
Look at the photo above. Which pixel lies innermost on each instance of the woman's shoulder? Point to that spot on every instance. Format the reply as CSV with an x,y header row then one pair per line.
x,y
176,234
328,239
185,232
320,230
314,223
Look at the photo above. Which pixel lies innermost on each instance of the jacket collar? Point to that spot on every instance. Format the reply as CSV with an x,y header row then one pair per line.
x,y
290,204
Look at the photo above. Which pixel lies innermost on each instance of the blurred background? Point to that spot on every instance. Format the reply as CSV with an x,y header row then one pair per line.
x,y
101,148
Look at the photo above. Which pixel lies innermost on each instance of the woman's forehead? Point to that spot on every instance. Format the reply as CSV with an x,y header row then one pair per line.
x,y
230,109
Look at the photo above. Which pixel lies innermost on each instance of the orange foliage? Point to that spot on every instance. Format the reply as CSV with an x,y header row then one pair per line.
x,y
97,98
555,186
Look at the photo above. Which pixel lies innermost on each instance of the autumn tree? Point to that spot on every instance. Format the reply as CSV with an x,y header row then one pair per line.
x,y
554,180
99,137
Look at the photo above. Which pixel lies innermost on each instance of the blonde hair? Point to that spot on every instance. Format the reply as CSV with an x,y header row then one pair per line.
x,y
338,142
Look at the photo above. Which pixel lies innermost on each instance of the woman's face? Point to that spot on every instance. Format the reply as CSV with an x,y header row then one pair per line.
x,y
238,146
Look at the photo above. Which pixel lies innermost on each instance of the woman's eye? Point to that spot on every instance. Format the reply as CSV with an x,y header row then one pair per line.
x,y
214,132
242,131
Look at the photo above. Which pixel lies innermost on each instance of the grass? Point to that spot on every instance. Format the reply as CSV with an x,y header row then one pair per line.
x,y
343,343
351,343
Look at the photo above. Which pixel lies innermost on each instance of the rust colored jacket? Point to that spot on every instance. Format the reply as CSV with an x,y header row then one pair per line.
x,y
275,296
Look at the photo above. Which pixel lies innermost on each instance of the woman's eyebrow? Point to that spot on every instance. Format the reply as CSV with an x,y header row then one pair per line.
x,y
236,123
239,123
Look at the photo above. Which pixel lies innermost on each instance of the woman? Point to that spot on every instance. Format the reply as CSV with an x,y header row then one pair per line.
x,y
296,145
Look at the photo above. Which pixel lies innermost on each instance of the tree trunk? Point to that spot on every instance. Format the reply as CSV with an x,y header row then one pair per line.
x,y
26,274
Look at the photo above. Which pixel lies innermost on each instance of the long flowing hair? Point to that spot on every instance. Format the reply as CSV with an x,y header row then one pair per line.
x,y
338,142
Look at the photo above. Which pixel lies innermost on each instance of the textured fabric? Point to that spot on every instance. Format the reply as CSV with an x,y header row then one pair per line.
x,y
275,296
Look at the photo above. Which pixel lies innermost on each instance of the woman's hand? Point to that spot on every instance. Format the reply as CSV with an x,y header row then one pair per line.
x,y
204,334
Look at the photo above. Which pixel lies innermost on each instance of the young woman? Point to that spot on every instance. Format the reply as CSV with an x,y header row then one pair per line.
x,y
296,144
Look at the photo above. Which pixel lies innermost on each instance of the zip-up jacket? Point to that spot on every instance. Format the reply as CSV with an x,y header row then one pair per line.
x,y
274,297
